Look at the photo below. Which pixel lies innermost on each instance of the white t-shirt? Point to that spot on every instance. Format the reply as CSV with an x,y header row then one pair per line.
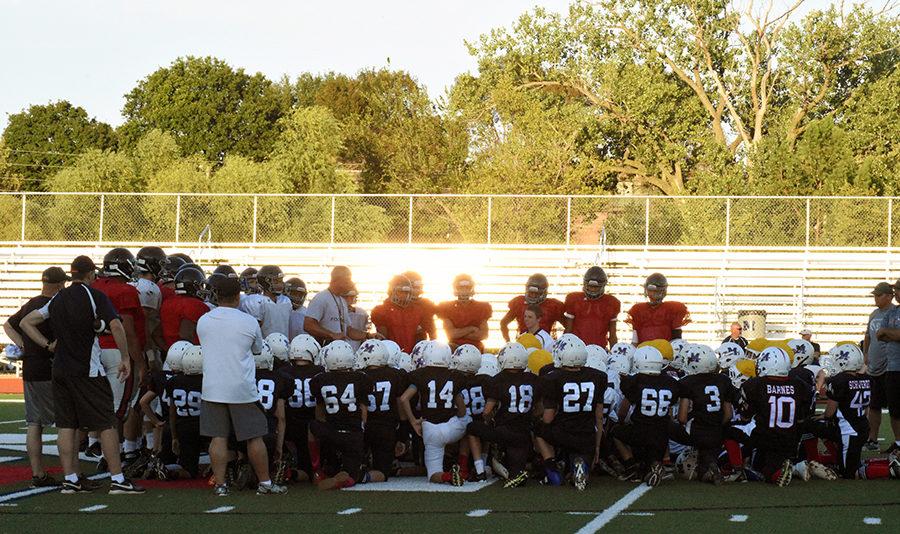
x,y
275,316
229,337
330,311
148,292
359,319
295,328
545,339
250,304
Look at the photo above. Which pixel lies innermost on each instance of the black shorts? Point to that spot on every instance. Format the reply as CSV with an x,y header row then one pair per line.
x,y
191,443
879,395
83,402
349,443
648,443
381,438
892,392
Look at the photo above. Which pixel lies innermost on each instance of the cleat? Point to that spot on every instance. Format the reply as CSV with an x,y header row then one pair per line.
x,y
801,469
478,477
499,469
553,477
655,475
894,466
784,476
79,486
713,476
221,490
159,469
281,468
44,481
94,451
102,466
517,481
271,489
821,471
580,474
125,487
456,478
871,445
629,474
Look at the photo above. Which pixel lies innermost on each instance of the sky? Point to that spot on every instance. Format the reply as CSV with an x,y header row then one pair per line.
x,y
92,52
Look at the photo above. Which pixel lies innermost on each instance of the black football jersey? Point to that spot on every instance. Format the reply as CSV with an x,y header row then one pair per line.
x,y
184,393
651,396
852,392
516,394
575,395
387,385
158,381
437,389
808,379
473,392
343,395
271,386
776,405
707,392
301,404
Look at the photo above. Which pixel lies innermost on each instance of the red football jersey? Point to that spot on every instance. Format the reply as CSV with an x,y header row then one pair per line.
x,y
127,301
462,313
165,291
427,309
591,317
657,322
552,308
400,323
176,308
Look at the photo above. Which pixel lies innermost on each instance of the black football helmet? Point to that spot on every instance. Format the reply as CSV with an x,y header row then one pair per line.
x,y
226,270
536,289
656,287
182,255
170,267
463,287
594,282
150,260
210,288
271,279
249,283
400,291
295,289
119,262
190,281
415,280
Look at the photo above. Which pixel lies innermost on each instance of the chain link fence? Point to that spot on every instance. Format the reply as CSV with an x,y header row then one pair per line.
x,y
643,221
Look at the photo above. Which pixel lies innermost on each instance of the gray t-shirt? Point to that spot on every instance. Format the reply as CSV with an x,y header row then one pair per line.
x,y
892,348
877,350
330,311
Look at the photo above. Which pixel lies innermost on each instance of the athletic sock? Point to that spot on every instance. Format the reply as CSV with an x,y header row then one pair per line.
x,y
130,446
118,479
735,457
151,440
73,478
314,456
91,441
463,462
479,466
266,482
446,477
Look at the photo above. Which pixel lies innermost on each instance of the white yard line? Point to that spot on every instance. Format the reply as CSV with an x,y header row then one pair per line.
x,y
94,508
350,511
11,422
37,491
478,513
739,518
220,510
872,520
613,511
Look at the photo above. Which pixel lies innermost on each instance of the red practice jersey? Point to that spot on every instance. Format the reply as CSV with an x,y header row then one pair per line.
x,y
400,324
127,301
657,322
176,308
591,317
465,313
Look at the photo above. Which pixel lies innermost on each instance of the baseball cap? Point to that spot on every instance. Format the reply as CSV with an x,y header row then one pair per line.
x,y
883,288
806,332
54,275
82,264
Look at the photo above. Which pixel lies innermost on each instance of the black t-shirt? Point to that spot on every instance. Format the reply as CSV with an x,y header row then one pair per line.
x,y
387,385
342,395
651,396
516,394
777,405
852,393
301,405
72,320
272,386
437,388
707,392
37,362
741,340
184,392
474,393
575,395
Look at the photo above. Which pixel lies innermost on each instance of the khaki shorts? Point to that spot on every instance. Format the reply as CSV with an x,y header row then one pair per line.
x,y
39,403
220,420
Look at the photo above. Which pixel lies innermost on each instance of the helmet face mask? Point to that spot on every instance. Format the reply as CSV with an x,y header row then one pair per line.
x,y
594,283
295,289
119,262
536,289
190,281
655,288
270,279
169,268
416,285
464,288
150,260
249,282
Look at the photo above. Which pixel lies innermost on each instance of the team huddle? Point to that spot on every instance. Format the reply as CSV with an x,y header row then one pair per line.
x,y
347,404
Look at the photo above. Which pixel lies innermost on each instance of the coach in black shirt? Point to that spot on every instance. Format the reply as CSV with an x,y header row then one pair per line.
x,y
81,393
736,336
37,362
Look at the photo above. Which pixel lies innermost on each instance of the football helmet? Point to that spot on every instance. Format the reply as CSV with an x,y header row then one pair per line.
x,y
436,354
737,377
663,346
280,345
596,357
677,346
621,356
170,267
570,351
400,291
536,289
209,291
265,359
513,356
699,359
773,361
594,283
686,464
190,281
538,359
415,281
295,289
648,360
372,353
803,351
304,347
489,365
729,353
755,346
418,353
249,283
848,357
226,270
175,355
270,279
828,365
466,358
529,341
119,262
183,256
150,260
463,287
192,361
402,362
338,355
656,287
391,347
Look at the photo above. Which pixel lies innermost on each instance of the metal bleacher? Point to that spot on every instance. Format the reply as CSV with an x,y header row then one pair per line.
x,y
826,291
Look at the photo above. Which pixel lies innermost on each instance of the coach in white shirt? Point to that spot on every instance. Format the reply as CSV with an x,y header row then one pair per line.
x,y
229,338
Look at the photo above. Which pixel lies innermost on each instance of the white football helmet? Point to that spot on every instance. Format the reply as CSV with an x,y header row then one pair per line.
x,y
338,355
648,360
803,351
677,346
596,357
192,362
848,357
620,360
175,355
404,362
737,377
265,359
391,346
489,366
827,363
304,347
773,361
466,358
280,345
513,356
729,353
699,359
686,463
570,351
436,354
372,353
418,353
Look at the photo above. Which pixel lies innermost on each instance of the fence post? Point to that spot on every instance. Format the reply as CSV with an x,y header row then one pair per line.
x,y
332,219
409,231
22,234
807,223
102,209
568,220
490,207
178,218
890,223
255,202
646,222
728,222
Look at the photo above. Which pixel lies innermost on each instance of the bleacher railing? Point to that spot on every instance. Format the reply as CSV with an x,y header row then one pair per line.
x,y
555,220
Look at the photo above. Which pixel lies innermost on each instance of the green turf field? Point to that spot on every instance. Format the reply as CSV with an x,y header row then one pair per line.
x,y
842,506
